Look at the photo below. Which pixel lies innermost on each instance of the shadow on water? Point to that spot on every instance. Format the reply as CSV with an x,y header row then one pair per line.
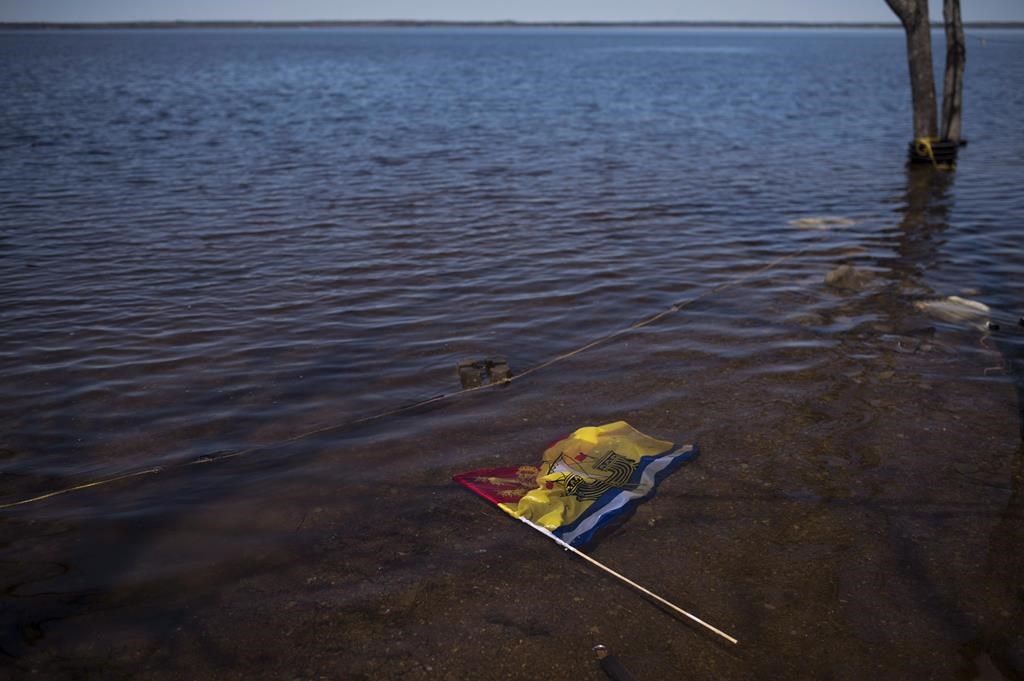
x,y
1002,638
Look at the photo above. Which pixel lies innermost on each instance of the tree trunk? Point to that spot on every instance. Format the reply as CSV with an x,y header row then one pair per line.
x,y
956,58
913,15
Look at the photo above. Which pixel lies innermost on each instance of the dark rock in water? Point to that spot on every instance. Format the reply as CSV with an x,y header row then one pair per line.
x,y
849,278
471,373
498,369
811,319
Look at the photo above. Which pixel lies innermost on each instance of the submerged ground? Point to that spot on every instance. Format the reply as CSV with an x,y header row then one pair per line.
x,y
832,547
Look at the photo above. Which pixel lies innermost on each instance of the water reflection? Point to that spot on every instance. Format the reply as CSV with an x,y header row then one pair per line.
x,y
926,208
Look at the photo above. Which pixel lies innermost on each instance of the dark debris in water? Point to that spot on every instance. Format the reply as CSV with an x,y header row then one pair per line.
x,y
474,373
849,278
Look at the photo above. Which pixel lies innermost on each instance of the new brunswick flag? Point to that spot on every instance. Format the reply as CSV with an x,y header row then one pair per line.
x,y
584,482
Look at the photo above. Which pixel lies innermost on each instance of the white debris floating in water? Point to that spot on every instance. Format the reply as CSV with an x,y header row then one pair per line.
x,y
822,222
955,309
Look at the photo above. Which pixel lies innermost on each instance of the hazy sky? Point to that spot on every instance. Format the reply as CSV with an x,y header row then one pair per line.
x,y
488,10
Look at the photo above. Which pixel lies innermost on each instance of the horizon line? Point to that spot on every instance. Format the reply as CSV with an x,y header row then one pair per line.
x,y
428,23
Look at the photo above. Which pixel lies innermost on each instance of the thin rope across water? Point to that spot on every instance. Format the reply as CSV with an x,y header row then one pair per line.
x,y
234,454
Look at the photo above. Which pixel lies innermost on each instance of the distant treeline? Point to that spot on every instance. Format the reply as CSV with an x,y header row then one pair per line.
x,y
470,24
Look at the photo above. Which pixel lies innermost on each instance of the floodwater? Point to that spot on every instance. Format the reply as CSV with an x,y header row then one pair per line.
x,y
219,250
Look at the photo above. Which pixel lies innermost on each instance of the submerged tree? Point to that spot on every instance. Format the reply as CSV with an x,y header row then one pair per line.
x,y
956,59
913,14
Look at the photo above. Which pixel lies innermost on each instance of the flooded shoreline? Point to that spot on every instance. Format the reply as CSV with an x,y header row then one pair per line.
x,y
335,560
191,274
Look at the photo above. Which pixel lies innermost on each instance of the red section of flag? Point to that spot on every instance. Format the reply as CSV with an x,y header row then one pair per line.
x,y
500,485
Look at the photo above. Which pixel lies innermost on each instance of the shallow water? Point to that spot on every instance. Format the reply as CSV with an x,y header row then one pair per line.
x,y
219,240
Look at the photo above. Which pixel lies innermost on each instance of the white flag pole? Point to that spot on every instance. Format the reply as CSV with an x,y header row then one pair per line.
x,y
547,533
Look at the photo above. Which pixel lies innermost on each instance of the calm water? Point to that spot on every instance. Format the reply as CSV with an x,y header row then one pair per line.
x,y
214,240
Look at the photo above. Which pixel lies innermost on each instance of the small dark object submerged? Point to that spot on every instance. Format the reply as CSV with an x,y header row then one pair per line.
x,y
610,664
472,372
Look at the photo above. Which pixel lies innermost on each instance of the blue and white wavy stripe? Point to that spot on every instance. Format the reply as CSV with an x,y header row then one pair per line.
x,y
649,472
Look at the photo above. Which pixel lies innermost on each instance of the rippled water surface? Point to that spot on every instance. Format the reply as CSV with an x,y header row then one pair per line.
x,y
212,241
